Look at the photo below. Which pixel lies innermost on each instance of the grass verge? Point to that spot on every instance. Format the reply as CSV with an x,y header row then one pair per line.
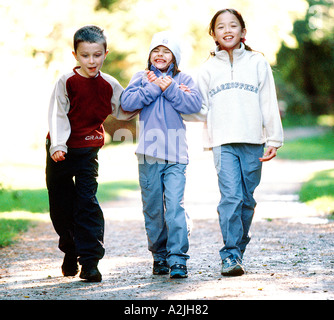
x,y
11,228
12,224
313,148
19,209
36,201
318,192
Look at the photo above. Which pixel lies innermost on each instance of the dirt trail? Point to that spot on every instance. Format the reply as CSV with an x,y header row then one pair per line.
x,y
290,256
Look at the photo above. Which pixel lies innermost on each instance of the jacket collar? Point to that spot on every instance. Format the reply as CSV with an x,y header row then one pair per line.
x,y
158,72
237,53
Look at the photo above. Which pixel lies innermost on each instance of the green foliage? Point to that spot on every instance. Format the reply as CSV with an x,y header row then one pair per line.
x,y
295,120
115,64
305,74
319,191
321,184
33,201
314,148
24,200
10,228
112,190
36,201
105,4
308,120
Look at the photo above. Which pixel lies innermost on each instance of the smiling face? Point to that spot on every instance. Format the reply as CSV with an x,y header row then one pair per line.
x,y
90,57
161,57
228,32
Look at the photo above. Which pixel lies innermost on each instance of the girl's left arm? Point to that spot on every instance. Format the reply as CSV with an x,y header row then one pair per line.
x,y
184,101
269,107
116,108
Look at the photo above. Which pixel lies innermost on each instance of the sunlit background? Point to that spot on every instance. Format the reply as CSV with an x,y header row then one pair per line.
x,y
36,44
296,36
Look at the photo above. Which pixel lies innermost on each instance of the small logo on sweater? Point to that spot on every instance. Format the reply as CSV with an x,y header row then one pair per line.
x,y
90,138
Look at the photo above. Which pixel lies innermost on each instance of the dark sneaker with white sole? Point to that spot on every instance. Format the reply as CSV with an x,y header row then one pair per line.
x,y
178,271
160,267
232,267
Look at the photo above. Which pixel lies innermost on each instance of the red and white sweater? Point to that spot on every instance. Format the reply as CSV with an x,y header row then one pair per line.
x,y
78,108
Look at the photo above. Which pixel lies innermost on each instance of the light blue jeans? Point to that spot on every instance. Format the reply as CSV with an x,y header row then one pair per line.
x,y
239,173
166,221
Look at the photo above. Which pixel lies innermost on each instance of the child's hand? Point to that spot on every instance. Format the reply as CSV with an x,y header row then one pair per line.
x,y
270,153
157,81
58,156
165,82
151,77
184,88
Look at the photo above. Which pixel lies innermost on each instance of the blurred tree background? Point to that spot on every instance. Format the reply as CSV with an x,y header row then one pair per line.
x,y
305,72
36,45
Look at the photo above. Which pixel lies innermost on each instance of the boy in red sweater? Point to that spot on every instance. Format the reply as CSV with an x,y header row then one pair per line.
x,y
80,102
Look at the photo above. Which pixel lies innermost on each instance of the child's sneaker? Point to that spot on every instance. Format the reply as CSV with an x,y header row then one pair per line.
x,y
178,271
70,266
90,273
232,267
160,267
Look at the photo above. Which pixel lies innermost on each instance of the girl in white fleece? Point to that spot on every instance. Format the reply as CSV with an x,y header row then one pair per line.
x,y
242,117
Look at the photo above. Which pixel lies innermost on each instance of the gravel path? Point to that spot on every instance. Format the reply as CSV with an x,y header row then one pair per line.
x,y
290,256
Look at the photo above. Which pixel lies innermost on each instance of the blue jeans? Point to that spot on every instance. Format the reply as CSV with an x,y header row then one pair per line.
x,y
166,221
239,173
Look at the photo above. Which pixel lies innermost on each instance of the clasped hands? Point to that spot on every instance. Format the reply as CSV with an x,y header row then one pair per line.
x,y
164,82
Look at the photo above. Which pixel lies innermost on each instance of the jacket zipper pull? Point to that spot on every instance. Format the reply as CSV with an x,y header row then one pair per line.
x,y
232,71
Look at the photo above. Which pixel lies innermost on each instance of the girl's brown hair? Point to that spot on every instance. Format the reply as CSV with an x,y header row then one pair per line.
x,y
239,17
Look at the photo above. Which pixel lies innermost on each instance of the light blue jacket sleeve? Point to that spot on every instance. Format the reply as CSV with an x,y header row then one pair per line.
x,y
139,93
184,102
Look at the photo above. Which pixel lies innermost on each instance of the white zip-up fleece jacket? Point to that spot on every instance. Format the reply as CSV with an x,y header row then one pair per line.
x,y
239,100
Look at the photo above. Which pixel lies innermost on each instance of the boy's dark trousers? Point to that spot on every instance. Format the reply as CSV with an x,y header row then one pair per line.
x,y
74,210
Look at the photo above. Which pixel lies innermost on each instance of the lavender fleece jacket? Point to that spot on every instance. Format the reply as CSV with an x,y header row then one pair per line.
x,y
162,130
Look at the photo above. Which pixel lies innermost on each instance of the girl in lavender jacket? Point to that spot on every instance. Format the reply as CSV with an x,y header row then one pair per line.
x,y
162,94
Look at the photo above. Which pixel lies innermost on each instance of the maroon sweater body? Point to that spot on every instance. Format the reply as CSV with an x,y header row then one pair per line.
x,y
90,104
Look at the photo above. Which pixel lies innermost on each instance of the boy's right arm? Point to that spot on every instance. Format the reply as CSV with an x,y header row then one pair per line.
x,y
59,124
139,93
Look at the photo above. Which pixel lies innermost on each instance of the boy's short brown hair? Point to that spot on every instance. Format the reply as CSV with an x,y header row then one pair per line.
x,y
91,34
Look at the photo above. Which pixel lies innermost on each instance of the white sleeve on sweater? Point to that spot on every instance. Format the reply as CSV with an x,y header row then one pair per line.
x,y
59,124
116,109
200,116
269,108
